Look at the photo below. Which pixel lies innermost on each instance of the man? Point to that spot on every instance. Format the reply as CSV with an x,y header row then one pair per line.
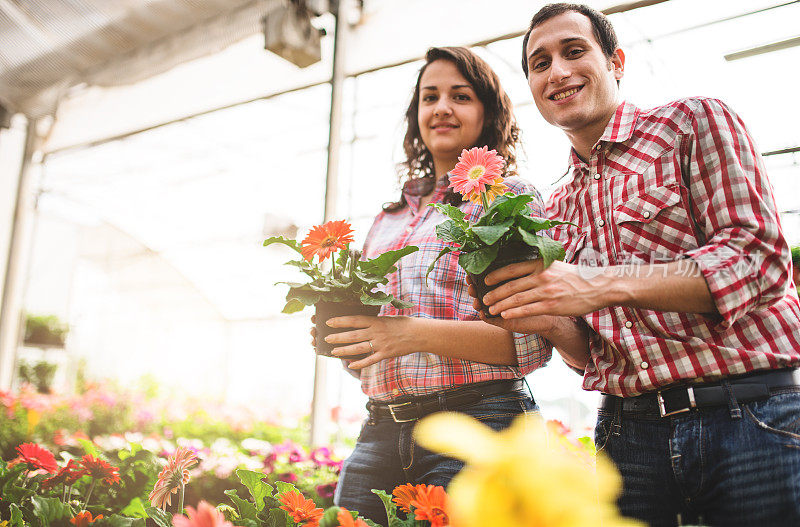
x,y
678,272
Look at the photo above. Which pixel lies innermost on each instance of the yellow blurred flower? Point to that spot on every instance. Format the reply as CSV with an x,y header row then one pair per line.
x,y
520,476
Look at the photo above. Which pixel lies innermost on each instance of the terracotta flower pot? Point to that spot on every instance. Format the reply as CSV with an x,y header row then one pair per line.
x,y
328,310
512,253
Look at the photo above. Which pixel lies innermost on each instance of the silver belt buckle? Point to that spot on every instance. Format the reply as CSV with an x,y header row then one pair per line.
x,y
663,411
394,417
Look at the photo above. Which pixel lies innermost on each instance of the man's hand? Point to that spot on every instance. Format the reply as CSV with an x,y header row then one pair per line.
x,y
541,325
558,290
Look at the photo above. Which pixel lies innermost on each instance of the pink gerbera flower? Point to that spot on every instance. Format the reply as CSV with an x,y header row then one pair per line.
x,y
477,169
174,475
205,516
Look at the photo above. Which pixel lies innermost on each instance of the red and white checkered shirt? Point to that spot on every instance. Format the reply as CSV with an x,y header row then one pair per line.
x,y
443,297
650,173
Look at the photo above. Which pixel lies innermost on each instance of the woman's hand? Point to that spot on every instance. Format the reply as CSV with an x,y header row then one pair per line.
x,y
383,337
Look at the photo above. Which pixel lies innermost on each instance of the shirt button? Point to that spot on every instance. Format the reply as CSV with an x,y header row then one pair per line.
x,y
596,176
395,392
646,214
600,223
409,230
645,365
628,324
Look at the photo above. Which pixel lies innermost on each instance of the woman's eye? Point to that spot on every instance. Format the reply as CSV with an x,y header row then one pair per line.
x,y
463,97
428,98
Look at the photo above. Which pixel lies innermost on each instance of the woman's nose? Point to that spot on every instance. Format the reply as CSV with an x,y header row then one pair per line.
x,y
442,107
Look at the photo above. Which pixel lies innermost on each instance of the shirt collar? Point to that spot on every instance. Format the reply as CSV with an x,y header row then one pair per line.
x,y
438,190
619,128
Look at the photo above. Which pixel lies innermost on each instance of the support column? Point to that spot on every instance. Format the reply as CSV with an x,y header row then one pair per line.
x,y
319,404
11,307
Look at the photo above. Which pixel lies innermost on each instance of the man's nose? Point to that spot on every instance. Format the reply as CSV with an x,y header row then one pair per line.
x,y
559,70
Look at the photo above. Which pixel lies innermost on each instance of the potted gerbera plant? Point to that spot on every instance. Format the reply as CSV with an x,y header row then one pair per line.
x,y
506,233
348,285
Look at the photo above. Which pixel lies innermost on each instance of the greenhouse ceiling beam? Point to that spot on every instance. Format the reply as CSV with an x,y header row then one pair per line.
x,y
618,8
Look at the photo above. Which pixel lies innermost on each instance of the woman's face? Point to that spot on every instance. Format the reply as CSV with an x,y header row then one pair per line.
x,y
450,115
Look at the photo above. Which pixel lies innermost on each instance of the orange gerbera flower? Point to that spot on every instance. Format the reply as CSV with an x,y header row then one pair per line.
x,y
477,169
99,469
404,495
346,519
36,457
300,508
205,516
82,519
324,240
174,474
431,505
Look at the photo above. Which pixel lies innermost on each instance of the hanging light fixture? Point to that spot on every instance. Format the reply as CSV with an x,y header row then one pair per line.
x,y
289,33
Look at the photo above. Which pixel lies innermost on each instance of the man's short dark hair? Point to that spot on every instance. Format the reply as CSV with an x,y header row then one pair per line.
x,y
602,28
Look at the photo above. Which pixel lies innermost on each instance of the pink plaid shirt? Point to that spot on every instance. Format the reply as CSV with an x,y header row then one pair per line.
x,y
633,206
444,297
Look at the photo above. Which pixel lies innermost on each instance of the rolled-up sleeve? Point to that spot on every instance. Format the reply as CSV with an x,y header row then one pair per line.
x,y
745,258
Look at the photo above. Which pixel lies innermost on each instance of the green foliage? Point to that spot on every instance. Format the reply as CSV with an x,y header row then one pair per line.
x,y
349,279
507,221
40,374
45,330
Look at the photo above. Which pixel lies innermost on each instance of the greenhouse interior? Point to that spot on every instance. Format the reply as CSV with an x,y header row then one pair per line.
x,y
148,148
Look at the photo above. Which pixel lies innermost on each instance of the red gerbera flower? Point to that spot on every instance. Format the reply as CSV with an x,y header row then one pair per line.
x,y
431,505
99,469
477,169
68,475
84,518
300,508
324,240
346,519
36,457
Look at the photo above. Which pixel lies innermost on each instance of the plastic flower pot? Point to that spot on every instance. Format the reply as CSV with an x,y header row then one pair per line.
x,y
328,310
512,253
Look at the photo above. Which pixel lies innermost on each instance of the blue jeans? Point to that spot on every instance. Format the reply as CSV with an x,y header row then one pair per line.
x,y
386,455
712,466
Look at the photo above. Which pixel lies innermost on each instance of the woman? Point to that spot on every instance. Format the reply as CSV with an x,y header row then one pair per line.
x,y
438,354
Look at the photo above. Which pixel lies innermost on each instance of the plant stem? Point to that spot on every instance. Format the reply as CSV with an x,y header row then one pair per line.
x,y
89,495
180,498
484,202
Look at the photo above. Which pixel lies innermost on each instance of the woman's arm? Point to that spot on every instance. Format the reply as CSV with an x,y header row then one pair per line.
x,y
393,336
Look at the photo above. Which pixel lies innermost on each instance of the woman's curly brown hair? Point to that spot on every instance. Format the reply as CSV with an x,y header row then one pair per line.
x,y
500,130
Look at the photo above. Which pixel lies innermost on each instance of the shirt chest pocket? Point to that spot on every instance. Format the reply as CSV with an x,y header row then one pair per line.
x,y
654,224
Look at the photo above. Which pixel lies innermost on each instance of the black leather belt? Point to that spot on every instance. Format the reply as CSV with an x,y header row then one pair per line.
x,y
414,408
679,399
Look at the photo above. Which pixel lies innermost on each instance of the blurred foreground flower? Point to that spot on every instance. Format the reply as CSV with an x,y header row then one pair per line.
x,y
346,519
205,516
517,477
174,477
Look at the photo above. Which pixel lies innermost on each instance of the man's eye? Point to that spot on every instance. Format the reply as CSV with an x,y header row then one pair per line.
x,y
539,65
575,52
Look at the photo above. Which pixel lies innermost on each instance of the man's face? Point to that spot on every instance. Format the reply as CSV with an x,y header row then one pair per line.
x,y
572,82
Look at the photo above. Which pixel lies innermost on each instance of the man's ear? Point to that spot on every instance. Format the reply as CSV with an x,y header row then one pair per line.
x,y
618,63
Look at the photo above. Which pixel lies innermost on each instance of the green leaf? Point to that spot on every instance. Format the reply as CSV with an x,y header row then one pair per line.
x,y
160,517
284,487
454,213
329,517
280,239
369,279
491,233
378,298
505,206
451,232
402,304
293,306
16,516
444,251
135,508
89,447
382,264
549,249
245,508
533,224
306,296
120,521
258,489
391,508
276,518
476,262
49,510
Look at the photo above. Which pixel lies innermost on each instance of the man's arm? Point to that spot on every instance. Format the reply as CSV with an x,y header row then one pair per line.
x,y
566,289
